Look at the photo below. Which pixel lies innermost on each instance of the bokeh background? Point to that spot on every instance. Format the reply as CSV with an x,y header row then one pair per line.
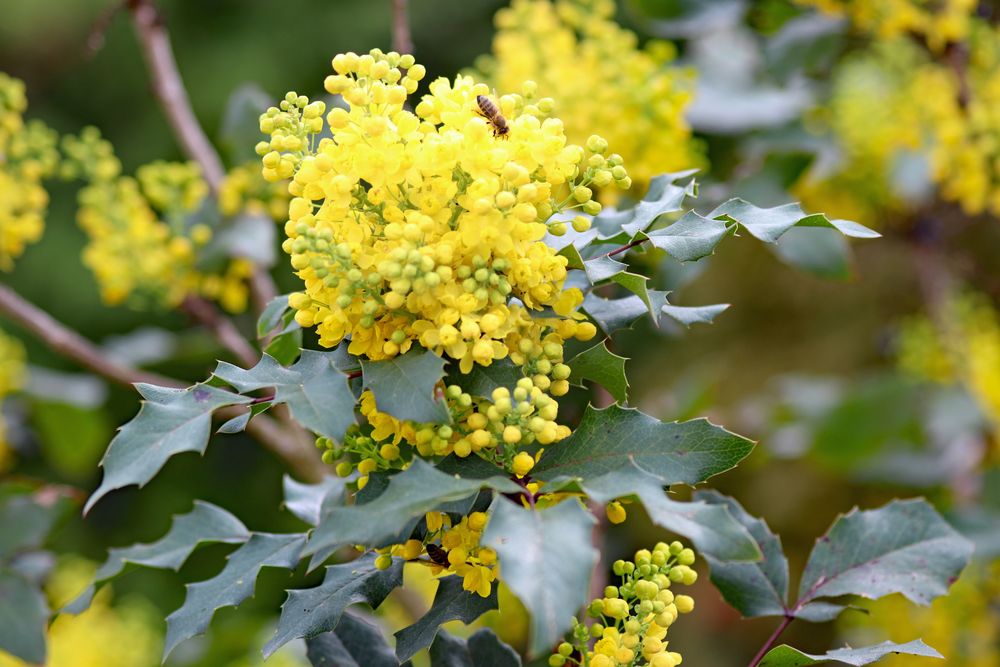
x,y
879,378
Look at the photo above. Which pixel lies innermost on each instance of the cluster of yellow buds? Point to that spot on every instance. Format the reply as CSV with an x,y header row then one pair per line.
x,y
12,370
27,155
633,618
573,52
450,549
246,189
939,23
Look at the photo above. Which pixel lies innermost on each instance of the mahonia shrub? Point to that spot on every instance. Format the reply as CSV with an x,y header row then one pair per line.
x,y
559,49
460,278
12,376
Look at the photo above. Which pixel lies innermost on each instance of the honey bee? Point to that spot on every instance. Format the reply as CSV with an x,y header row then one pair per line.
x,y
489,111
437,555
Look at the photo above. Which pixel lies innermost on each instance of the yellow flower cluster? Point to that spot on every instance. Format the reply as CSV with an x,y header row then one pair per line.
x,y
142,245
633,618
967,351
12,361
573,52
448,549
245,188
27,155
963,625
124,634
939,22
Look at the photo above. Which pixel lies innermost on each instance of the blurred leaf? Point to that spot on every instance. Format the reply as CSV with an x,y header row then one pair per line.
x,y
753,589
786,656
903,547
240,129
982,526
24,616
551,578
306,501
624,443
451,602
482,380
286,347
169,422
688,315
27,519
690,238
602,366
316,392
272,315
355,642
410,494
309,612
206,523
404,386
821,252
250,236
483,649
806,42
768,224
232,586
663,196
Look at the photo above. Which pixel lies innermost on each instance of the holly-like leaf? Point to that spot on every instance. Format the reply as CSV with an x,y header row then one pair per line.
x,y
410,494
601,365
233,585
169,422
24,615
768,224
786,656
451,603
753,589
482,380
688,315
306,501
483,649
27,519
690,238
904,547
357,641
404,386
237,424
822,252
614,314
625,442
309,612
206,523
662,197
316,391
547,559
272,315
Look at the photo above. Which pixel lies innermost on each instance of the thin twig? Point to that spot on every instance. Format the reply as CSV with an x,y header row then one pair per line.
x,y
771,640
625,247
72,345
99,30
222,328
402,39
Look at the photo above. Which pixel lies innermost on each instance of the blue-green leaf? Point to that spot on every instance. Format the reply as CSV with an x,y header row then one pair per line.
x,y
451,603
688,315
768,224
169,422
690,238
357,641
404,386
24,615
662,197
483,649
786,656
306,501
601,365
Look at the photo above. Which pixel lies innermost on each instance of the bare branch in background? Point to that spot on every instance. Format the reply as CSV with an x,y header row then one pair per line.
x,y
402,39
222,328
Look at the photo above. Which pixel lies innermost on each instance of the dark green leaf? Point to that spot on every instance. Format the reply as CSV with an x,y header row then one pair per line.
x,y
483,649
690,238
821,252
688,315
286,347
602,366
410,494
786,656
272,315
357,641
753,589
27,519
404,386
306,501
232,586
205,523
169,422
614,314
551,577
482,380
904,547
316,392
627,443
451,603
309,612
24,615
768,224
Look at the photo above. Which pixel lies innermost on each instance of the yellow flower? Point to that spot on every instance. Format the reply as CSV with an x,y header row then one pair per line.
x,y
937,22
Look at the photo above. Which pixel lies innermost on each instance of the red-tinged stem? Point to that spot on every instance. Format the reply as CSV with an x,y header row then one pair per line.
x,y
785,622
402,39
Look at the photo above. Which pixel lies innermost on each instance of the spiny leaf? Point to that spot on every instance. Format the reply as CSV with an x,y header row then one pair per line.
x,y
409,495
822,252
356,642
768,224
614,314
203,524
169,422
307,613
602,366
232,586
688,315
24,615
624,441
404,386
904,547
662,197
546,558
451,603
690,238
315,390
482,380
753,589
786,656
483,649
306,501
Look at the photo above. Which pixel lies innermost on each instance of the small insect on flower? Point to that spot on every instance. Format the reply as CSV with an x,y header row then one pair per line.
x,y
490,112
437,554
